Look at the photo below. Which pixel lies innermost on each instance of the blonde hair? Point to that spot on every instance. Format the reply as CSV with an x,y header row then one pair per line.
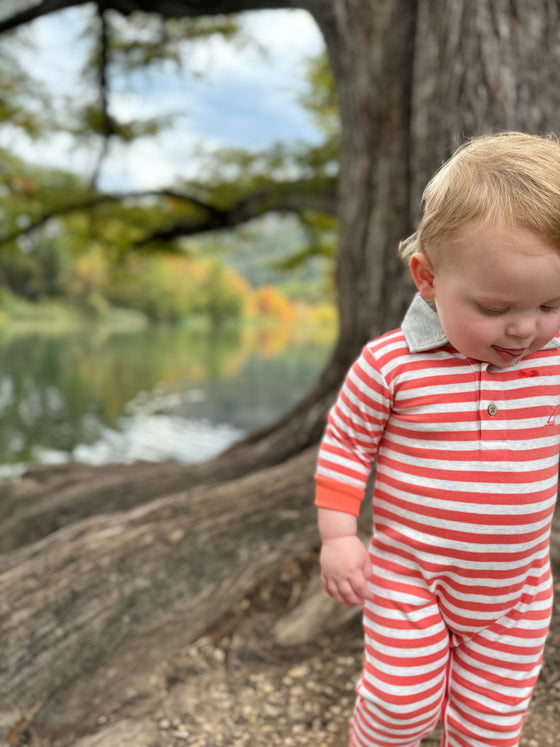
x,y
511,177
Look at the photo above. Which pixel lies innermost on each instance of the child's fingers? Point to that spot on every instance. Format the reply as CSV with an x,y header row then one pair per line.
x,y
336,589
349,594
361,588
333,589
344,591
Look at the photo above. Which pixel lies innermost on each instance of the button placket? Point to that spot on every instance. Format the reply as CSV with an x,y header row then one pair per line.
x,y
492,415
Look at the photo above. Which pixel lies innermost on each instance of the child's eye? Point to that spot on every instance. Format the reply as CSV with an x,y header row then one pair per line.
x,y
489,311
549,309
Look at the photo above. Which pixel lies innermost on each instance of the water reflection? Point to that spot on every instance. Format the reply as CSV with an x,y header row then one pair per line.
x,y
156,393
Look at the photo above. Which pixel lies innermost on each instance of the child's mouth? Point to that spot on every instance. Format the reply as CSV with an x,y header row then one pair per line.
x,y
508,354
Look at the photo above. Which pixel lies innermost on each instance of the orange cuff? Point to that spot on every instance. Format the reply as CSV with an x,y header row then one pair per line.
x,y
337,496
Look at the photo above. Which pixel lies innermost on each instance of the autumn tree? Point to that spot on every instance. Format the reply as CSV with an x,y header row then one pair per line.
x,y
413,78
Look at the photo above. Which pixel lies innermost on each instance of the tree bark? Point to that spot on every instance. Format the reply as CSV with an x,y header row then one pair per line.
x,y
480,67
134,586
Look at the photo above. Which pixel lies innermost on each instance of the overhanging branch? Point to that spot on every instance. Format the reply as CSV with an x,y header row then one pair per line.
x,y
292,197
164,8
36,11
93,202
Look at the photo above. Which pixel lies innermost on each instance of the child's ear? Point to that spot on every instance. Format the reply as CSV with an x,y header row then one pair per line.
x,y
423,275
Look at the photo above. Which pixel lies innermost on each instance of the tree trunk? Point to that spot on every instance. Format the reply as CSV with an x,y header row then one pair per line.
x,y
117,561
480,67
120,591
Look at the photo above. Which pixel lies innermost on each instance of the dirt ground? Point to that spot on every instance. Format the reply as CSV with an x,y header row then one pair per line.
x,y
238,686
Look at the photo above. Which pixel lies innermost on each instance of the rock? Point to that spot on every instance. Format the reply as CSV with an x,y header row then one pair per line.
x,y
316,613
126,732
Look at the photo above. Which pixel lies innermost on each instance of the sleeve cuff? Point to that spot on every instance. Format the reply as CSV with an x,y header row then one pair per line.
x,y
337,496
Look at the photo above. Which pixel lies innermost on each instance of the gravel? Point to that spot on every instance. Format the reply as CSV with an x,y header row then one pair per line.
x,y
237,686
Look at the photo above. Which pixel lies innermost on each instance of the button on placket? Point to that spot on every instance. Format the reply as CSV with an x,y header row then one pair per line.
x,y
493,427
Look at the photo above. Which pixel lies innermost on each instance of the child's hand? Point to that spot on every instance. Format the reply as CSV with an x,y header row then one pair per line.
x,y
345,568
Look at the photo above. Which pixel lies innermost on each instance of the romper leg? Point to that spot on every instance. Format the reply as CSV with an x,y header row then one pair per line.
x,y
493,675
403,684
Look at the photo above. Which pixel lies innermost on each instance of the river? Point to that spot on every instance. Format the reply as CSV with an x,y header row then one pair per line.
x,y
155,393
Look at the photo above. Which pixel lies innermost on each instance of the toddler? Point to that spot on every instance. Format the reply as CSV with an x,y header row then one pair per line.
x,y
460,408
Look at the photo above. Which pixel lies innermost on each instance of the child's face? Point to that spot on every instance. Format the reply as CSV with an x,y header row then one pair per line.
x,y
497,292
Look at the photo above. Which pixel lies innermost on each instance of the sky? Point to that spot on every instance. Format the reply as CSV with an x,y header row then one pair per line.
x,y
225,96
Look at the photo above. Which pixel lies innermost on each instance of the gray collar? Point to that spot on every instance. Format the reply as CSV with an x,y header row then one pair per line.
x,y
422,330
421,327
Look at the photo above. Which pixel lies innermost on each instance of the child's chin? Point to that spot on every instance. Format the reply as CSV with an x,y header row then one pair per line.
x,y
501,363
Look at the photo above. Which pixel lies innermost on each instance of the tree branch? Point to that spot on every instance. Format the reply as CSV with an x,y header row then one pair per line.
x,y
36,11
93,202
164,8
289,196
103,83
194,8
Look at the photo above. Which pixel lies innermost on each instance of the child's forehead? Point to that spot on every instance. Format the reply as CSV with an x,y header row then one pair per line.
x,y
494,235
502,261
497,252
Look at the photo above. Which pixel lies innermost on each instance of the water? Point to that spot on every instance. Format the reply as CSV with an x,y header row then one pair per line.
x,y
153,394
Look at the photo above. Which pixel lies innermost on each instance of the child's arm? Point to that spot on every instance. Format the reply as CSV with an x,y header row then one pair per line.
x,y
354,428
345,562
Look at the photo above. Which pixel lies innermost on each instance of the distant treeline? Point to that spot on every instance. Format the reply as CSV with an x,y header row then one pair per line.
x,y
164,287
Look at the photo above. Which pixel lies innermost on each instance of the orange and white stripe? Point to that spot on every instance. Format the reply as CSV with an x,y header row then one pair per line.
x,y
467,465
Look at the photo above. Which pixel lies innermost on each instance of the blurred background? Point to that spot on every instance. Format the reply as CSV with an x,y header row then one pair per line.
x,y
130,328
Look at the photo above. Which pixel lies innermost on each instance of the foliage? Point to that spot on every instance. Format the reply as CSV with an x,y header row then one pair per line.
x,y
171,287
270,302
275,250
60,236
224,293
84,257
147,39
116,50
320,97
17,87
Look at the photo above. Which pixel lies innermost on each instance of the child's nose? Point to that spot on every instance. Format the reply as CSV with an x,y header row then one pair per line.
x,y
522,326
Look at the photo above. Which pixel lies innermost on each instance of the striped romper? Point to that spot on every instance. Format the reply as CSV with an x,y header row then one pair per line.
x,y
467,464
